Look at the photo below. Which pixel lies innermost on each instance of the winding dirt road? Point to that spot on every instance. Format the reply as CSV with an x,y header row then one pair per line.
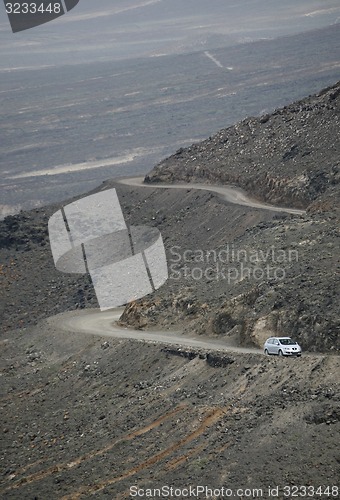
x,y
105,323
229,193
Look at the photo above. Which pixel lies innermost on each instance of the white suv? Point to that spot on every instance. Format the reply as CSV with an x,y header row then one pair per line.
x,y
282,346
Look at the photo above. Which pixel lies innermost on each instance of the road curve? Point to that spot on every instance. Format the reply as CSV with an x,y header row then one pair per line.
x,y
95,322
229,193
104,324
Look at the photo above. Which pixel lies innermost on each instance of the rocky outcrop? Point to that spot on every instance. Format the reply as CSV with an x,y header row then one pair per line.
x,y
289,157
302,301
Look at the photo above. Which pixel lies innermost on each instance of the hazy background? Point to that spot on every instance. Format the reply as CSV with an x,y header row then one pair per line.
x,y
111,87
116,29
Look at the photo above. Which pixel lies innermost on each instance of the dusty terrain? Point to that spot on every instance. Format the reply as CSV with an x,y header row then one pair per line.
x,y
133,113
88,416
84,415
291,158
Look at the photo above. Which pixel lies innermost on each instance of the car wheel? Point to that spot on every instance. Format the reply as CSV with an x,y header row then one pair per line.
x,y
280,353
266,352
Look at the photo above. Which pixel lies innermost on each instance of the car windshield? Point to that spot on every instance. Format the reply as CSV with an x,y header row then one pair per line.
x,y
287,342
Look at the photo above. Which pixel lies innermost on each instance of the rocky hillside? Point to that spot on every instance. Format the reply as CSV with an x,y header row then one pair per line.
x,y
87,417
299,298
218,253
289,157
